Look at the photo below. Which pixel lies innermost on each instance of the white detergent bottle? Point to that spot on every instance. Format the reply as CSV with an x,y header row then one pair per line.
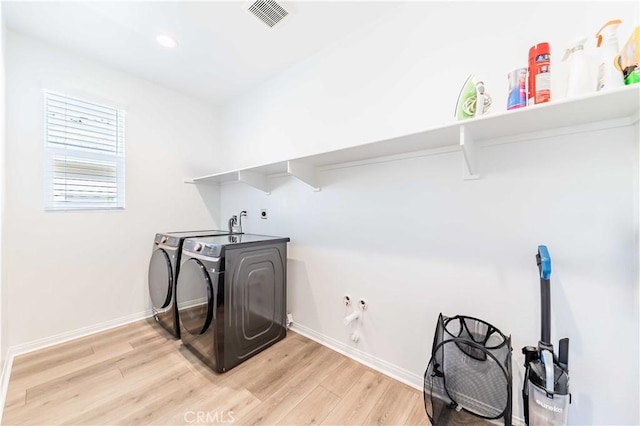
x,y
609,75
579,76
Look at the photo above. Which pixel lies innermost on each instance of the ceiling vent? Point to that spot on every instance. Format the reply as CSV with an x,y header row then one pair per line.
x,y
268,11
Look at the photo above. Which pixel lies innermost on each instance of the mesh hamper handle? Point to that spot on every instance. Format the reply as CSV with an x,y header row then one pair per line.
x,y
490,329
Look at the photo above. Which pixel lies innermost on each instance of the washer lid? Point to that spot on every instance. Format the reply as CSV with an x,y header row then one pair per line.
x,y
195,297
240,239
191,234
160,279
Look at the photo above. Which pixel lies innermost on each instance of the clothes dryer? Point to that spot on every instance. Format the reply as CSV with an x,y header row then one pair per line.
x,y
164,267
231,297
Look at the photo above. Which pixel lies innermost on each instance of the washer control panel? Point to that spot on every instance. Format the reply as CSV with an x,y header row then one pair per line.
x,y
167,240
203,249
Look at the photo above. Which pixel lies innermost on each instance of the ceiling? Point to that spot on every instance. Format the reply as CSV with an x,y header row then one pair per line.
x,y
222,49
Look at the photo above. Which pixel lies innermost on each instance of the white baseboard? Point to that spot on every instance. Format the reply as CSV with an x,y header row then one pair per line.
x,y
4,380
75,334
384,367
24,348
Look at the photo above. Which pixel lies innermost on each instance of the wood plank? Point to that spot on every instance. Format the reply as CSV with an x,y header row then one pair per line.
x,y
144,356
68,371
15,398
175,405
142,365
282,353
350,373
418,415
63,396
279,372
313,409
65,354
354,408
141,338
222,406
132,396
395,405
71,386
300,384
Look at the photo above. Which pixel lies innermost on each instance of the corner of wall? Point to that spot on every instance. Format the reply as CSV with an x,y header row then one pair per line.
x,y
5,362
2,184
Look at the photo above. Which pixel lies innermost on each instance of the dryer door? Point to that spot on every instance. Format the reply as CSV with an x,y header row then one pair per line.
x,y
160,279
195,297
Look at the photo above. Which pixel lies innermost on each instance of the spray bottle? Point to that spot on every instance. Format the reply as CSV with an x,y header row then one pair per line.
x,y
609,76
539,88
579,77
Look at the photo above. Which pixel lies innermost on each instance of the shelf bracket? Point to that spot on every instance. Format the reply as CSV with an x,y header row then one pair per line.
x,y
469,152
257,180
304,173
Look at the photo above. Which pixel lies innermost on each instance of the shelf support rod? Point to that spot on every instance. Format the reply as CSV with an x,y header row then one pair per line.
x,y
469,152
305,173
257,180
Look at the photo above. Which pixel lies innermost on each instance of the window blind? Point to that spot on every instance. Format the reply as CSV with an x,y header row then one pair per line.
x,y
84,144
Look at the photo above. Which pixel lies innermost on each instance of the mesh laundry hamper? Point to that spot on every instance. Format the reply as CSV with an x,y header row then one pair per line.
x,y
469,372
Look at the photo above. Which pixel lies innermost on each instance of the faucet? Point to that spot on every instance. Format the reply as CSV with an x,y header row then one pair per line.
x,y
242,213
235,225
233,222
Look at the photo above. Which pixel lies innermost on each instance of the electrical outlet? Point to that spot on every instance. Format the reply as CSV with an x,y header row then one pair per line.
x,y
263,213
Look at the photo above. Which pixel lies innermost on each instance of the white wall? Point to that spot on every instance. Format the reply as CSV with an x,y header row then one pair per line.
x,y
3,322
637,235
68,270
403,74
412,238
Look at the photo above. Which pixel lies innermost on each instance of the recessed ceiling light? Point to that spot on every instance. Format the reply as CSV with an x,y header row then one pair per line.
x,y
166,41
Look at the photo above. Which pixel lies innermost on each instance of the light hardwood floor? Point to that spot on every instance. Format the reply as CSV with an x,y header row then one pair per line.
x,y
137,374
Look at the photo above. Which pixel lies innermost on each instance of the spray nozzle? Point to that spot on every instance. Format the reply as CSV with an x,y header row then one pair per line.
x,y
573,46
608,30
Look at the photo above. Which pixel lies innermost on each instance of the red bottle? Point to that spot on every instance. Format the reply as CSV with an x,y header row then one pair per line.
x,y
539,74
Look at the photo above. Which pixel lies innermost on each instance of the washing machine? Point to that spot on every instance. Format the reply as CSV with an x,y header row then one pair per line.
x,y
231,297
164,268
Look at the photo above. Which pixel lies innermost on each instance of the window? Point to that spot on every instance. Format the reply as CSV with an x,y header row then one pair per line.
x,y
84,146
